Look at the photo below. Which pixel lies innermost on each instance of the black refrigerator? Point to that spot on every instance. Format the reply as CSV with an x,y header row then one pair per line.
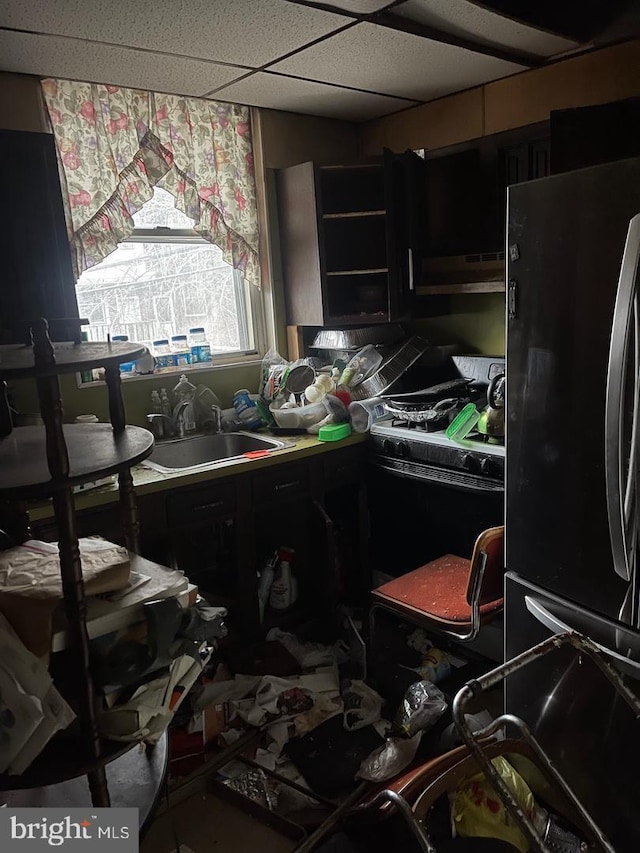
x,y
572,457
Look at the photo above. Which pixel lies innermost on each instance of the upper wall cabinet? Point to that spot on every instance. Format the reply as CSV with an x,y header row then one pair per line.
x,y
37,277
351,240
465,194
466,186
589,136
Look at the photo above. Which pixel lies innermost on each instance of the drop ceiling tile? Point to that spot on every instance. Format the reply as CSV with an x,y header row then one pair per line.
x,y
302,96
361,7
52,56
389,62
242,32
462,18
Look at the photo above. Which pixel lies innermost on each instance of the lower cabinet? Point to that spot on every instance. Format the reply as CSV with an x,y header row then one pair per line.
x,y
222,533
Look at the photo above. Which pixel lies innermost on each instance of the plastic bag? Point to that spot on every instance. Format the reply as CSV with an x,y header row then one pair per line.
x,y
337,413
389,759
435,666
362,705
272,371
421,708
478,812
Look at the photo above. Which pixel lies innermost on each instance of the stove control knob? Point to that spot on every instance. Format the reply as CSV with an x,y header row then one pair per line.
x,y
388,446
488,467
469,462
402,450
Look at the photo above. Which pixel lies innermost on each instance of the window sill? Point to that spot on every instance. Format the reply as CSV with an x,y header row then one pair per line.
x,y
239,360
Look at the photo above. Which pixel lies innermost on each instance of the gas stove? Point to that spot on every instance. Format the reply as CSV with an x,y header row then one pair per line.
x,y
410,449
470,463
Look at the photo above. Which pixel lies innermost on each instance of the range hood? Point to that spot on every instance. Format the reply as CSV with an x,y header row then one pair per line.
x,y
478,272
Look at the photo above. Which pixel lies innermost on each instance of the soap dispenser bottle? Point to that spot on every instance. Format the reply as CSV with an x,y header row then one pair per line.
x,y
184,390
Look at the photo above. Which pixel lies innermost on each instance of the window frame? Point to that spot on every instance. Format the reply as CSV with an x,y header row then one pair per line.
x,y
249,304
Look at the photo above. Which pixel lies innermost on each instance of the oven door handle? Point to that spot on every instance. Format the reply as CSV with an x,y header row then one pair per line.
x,y
441,477
559,626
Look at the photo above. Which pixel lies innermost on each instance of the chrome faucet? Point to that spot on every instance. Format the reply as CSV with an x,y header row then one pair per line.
x,y
176,426
216,411
160,425
164,426
179,419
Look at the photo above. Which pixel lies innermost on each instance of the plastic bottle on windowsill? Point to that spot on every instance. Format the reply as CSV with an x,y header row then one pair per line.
x,y
199,345
180,350
128,367
163,355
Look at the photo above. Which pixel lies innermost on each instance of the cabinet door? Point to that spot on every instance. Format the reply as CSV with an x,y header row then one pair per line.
x,y
302,248
349,240
589,136
37,274
405,186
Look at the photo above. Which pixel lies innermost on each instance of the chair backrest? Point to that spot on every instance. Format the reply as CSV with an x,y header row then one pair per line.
x,y
488,550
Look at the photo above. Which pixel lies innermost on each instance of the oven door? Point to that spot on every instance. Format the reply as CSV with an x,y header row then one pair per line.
x,y
419,512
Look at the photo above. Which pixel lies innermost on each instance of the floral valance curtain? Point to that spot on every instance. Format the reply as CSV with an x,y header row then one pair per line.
x,y
114,145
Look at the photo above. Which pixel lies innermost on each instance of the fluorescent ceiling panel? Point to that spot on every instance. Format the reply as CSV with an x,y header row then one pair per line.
x,y
465,19
302,96
389,62
52,56
241,32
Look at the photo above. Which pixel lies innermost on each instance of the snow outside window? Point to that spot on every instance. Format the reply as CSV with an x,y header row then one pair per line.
x,y
165,280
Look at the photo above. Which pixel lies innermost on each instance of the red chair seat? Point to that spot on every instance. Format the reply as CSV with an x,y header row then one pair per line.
x,y
437,589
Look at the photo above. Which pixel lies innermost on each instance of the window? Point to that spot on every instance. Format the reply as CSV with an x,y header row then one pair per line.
x,y
165,279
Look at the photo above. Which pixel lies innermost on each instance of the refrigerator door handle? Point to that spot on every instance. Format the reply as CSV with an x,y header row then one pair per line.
x,y
559,626
622,521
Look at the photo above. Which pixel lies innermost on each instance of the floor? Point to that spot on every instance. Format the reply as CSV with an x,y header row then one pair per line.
x,y
204,823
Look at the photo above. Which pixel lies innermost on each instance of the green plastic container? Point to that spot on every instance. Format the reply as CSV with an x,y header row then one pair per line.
x,y
334,432
463,423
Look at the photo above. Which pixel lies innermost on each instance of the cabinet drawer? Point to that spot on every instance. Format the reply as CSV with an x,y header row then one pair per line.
x,y
341,468
198,505
281,483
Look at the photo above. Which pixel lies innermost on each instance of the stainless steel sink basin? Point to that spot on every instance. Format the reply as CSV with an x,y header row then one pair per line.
x,y
204,450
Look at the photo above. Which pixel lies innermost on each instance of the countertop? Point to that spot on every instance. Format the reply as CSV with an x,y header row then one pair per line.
x,y
147,480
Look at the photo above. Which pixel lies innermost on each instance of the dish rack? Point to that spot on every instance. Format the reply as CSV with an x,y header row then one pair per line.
x,y
483,748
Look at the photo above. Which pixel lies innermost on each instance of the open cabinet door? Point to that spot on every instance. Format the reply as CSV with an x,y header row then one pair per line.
x,y
405,189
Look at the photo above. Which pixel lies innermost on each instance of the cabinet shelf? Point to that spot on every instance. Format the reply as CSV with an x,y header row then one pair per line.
x,y
360,319
18,362
346,167
358,272
355,214
94,451
461,287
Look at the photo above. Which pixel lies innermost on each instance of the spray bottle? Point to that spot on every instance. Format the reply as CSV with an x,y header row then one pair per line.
x,y
284,590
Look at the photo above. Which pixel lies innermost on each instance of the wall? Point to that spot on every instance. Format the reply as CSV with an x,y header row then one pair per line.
x,y
288,139
284,139
20,104
477,321
605,75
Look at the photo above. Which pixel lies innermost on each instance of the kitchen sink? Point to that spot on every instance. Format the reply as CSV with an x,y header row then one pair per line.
x,y
200,451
